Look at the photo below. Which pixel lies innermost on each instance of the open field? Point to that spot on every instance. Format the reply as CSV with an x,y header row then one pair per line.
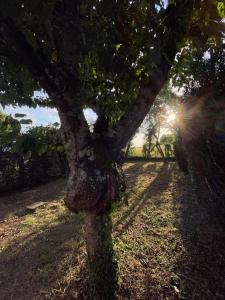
x,y
166,245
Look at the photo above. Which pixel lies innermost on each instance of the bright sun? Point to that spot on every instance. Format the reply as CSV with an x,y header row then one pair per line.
x,y
171,117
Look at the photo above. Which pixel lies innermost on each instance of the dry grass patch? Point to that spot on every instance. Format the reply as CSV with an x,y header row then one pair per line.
x,y
166,245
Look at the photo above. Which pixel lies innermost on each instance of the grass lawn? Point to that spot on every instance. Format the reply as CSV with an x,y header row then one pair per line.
x,y
166,245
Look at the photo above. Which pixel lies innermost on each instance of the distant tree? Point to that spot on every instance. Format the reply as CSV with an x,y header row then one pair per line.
x,y
156,120
167,138
29,157
168,141
129,149
9,130
42,148
111,56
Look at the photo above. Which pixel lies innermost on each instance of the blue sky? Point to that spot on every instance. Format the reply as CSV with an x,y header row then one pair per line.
x,y
46,116
39,116
43,116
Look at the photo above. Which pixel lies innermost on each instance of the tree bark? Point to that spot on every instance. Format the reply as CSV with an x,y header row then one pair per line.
x,y
180,155
160,150
128,150
101,262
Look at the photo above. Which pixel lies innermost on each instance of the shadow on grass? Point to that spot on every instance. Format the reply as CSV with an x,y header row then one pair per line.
x,y
16,202
52,263
159,183
43,265
135,168
201,270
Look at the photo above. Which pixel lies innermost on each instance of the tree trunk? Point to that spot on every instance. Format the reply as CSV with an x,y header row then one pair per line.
x,y
181,156
128,150
102,266
94,183
148,152
160,150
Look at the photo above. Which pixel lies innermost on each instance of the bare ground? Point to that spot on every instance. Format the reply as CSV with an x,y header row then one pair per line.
x,y
166,245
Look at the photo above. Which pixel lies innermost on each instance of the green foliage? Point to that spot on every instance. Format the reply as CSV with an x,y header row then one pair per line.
x,y
221,8
9,129
109,47
204,69
31,157
168,138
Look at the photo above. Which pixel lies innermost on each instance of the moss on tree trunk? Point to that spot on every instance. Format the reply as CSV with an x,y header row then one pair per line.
x,y
101,262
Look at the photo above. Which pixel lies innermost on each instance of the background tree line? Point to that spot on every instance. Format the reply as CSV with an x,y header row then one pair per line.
x,y
29,157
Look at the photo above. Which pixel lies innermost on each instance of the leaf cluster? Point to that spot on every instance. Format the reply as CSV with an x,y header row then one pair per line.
x,y
101,49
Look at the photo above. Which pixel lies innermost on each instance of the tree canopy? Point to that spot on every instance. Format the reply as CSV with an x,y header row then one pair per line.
x,y
111,56
100,52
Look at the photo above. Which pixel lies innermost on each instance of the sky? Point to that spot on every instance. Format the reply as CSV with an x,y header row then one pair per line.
x,y
46,116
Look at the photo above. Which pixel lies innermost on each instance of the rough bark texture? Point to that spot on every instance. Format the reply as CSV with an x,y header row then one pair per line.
x,y
180,154
95,178
102,266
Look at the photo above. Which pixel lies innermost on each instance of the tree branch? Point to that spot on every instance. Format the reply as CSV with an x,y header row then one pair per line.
x,y
126,127
136,112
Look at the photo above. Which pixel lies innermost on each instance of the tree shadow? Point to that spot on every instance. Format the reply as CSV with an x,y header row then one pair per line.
x,y
42,265
51,264
133,171
159,183
201,270
16,202
136,167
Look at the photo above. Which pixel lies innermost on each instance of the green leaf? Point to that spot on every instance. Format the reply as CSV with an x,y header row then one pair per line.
x,y
221,9
117,46
60,148
94,72
41,149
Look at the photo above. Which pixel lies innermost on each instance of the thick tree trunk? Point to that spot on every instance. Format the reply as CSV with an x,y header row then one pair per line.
x,y
196,163
191,142
94,183
102,266
181,156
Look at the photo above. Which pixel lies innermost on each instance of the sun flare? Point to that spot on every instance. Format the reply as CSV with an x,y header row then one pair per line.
x,y
171,117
